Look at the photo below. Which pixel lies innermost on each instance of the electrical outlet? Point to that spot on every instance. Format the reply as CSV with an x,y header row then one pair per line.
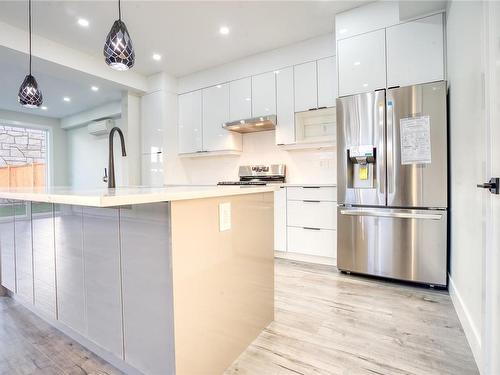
x,y
224,216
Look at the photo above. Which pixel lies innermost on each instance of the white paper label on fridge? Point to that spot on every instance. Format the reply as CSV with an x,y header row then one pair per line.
x,y
415,140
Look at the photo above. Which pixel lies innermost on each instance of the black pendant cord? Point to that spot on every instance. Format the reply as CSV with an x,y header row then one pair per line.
x,y
119,10
29,27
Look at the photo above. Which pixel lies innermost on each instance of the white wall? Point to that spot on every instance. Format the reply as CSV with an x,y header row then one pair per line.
x,y
57,141
88,156
467,141
312,166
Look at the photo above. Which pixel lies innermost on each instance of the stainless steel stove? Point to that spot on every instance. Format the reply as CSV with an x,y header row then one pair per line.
x,y
258,175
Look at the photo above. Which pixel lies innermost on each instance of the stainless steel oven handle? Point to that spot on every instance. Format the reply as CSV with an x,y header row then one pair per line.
x,y
399,215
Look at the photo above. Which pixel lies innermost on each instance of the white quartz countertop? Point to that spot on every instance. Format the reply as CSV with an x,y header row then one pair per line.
x,y
103,197
308,185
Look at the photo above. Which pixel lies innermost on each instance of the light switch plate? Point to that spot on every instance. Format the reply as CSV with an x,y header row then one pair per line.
x,y
224,216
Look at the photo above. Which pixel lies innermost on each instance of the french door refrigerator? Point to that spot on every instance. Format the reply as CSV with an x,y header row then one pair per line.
x,y
392,183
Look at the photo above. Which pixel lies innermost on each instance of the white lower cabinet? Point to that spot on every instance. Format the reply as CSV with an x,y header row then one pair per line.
x,y
101,240
305,221
7,251
44,262
312,214
147,288
24,251
312,241
68,221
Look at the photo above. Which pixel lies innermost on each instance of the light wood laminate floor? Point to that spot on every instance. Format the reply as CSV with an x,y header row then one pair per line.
x,y
325,323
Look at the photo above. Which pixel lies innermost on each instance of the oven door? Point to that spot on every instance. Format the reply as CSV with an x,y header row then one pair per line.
x,y
395,243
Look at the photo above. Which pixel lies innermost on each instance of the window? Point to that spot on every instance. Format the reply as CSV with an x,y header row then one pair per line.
x,y
23,157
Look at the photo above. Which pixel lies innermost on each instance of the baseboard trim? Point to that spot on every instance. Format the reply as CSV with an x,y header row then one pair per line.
x,y
306,258
471,331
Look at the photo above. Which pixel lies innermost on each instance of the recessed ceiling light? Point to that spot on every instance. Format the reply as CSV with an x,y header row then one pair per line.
x,y
276,72
94,88
66,99
224,30
218,86
83,22
342,31
365,84
156,56
43,108
248,99
356,63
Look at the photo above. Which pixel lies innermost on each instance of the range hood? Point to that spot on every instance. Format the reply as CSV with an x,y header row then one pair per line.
x,y
252,125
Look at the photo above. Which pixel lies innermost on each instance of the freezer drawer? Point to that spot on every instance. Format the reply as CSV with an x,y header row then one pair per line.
x,y
401,244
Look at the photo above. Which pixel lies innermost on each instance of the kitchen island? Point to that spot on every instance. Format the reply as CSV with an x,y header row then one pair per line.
x,y
174,280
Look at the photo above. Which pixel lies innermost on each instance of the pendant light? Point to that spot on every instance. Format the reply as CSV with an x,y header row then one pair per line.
x,y
118,49
30,95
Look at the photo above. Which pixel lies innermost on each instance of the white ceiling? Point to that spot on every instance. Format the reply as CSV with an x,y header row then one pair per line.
x,y
185,33
55,82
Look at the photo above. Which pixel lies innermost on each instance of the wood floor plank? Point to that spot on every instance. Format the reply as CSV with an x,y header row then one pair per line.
x,y
326,323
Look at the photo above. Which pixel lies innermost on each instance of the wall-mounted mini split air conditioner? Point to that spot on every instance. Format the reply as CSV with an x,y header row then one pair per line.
x,y
100,127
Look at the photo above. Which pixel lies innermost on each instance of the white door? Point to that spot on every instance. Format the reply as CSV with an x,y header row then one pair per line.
x,y
327,82
491,281
285,129
190,125
415,52
240,99
264,94
306,86
215,110
361,62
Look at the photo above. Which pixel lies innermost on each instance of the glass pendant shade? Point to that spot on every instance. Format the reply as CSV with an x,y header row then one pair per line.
x,y
118,49
30,95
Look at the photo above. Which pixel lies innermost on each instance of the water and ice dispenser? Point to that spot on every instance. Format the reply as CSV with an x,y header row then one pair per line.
x,y
361,162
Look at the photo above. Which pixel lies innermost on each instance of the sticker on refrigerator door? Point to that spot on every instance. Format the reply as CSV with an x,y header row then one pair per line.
x,y
415,135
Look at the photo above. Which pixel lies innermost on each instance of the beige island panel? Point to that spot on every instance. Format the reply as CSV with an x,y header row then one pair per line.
x,y
223,281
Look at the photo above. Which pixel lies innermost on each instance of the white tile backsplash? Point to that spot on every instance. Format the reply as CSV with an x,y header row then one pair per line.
x,y
303,166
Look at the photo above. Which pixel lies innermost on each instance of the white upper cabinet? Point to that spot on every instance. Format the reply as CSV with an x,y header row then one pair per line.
x,y
327,82
306,86
152,122
285,129
264,94
190,122
362,63
415,52
240,99
215,110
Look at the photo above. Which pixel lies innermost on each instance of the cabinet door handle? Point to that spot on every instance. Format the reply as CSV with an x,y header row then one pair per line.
x,y
311,187
310,201
312,109
322,107
311,228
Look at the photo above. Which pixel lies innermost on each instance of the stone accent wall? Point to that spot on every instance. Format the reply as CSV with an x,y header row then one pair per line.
x,y
20,146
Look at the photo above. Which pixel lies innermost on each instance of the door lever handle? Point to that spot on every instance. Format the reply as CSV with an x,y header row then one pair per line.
x,y
492,185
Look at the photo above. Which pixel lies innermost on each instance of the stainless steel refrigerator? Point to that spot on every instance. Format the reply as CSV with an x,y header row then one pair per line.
x,y
392,178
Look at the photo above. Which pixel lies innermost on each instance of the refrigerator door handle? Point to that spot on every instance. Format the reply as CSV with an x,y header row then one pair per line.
x,y
399,215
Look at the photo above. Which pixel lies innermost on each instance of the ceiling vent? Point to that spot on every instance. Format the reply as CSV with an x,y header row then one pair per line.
x,y
100,127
